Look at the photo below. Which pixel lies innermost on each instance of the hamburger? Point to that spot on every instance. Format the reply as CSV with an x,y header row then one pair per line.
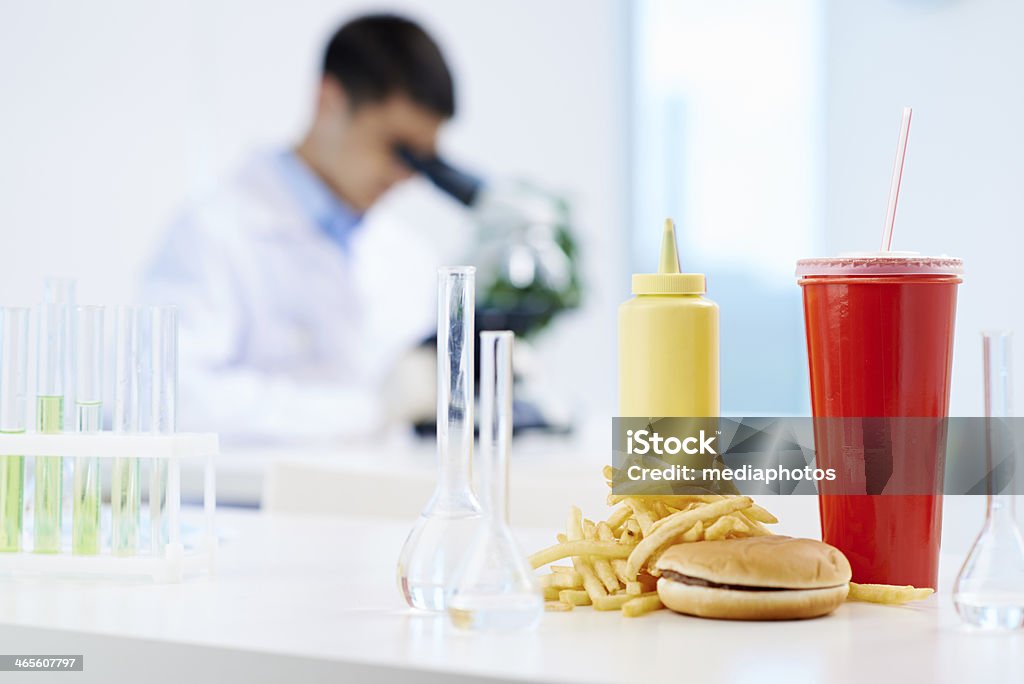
x,y
757,578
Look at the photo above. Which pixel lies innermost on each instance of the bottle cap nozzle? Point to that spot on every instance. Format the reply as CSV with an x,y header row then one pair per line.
x,y
668,279
669,253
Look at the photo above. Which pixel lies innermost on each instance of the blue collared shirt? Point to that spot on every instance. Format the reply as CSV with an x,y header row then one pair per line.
x,y
335,218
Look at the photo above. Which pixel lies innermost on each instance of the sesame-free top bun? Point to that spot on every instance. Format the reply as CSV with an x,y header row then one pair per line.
x,y
769,561
759,578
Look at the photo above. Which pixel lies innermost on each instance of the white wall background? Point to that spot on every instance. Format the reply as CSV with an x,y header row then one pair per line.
x,y
727,140
959,63
115,111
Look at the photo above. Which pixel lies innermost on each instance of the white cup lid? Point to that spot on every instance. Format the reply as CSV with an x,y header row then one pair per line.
x,y
880,263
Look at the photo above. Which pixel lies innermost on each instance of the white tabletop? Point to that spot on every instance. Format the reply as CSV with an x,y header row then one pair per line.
x,y
313,598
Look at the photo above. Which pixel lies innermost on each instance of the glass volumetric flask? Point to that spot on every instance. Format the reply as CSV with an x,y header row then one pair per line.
x,y
443,531
494,588
989,591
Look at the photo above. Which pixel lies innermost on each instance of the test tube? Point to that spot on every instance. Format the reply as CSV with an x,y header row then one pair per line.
x,y
125,486
163,334
60,290
13,399
49,476
85,534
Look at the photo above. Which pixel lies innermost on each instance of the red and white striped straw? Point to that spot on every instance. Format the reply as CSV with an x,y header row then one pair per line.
x,y
897,177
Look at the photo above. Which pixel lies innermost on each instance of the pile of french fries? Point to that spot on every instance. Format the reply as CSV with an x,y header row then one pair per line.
x,y
613,560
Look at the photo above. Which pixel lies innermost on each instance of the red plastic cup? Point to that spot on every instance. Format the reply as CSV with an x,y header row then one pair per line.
x,y
880,345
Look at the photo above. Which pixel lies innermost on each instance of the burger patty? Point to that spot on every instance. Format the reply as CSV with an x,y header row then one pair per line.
x,y
698,582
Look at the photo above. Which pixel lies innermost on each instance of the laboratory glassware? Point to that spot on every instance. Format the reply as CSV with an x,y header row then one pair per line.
x,y
49,470
444,529
13,398
163,394
989,591
60,290
85,512
125,487
494,588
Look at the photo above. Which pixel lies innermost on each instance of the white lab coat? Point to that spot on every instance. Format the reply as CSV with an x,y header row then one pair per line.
x,y
283,333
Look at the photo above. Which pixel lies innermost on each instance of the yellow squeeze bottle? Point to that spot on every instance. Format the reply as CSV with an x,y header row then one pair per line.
x,y
668,342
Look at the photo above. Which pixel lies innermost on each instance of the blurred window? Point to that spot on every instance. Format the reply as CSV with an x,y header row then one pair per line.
x,y
726,138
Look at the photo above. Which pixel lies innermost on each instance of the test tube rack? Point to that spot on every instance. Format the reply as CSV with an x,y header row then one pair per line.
x,y
175,561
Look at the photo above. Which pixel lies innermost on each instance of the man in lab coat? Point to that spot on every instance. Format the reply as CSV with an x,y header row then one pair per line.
x,y
273,340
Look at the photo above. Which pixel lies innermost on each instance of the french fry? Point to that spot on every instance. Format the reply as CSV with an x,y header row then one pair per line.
x,y
561,538
609,473
641,605
760,515
589,529
591,583
720,528
607,576
676,524
660,509
557,607
757,529
561,568
742,527
551,593
695,533
887,593
618,516
630,532
658,523
574,532
574,525
642,514
634,588
562,580
611,602
619,566
604,533
575,597
602,568
580,548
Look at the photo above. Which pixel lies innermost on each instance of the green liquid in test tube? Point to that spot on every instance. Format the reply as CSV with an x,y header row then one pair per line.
x,y
12,501
49,500
13,391
49,495
85,529
125,485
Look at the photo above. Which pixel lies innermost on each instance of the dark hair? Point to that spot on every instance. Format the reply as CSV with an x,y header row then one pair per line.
x,y
380,55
